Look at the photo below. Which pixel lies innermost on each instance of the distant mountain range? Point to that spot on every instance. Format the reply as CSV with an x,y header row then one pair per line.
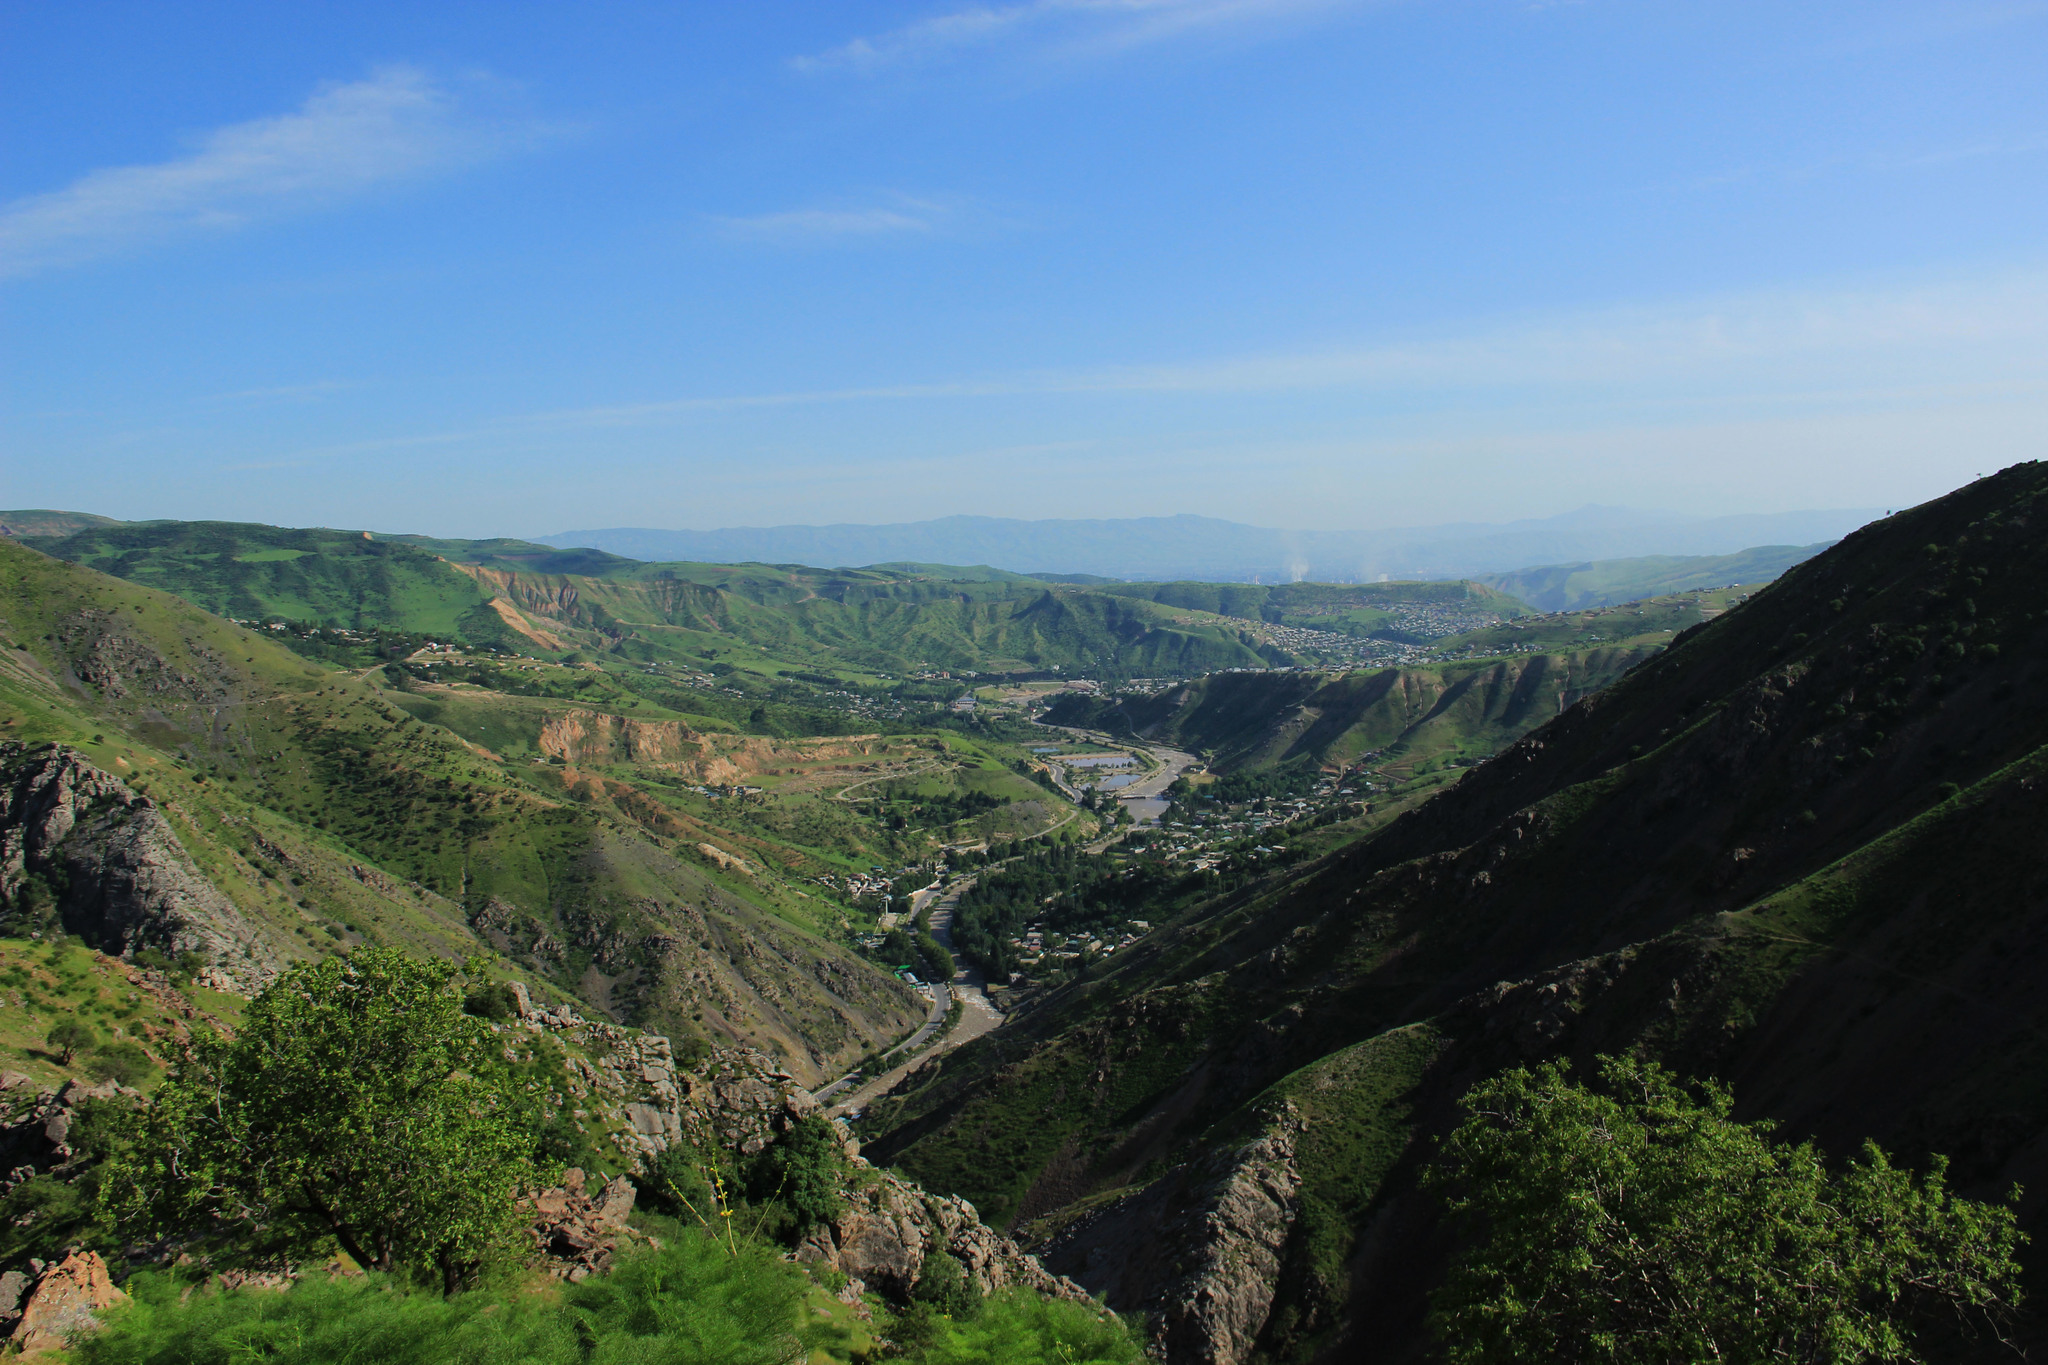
x,y
1191,547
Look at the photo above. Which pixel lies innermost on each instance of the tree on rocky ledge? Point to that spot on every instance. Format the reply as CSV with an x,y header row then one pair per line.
x,y
359,1106
1637,1221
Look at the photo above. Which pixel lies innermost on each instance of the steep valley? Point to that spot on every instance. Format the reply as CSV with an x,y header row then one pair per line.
x,y
1796,850
1785,837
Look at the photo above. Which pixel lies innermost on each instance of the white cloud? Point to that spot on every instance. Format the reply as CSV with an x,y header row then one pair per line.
x,y
904,217
1082,25
345,140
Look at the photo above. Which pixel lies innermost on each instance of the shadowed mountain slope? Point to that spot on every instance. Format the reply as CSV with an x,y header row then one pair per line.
x,y
1798,850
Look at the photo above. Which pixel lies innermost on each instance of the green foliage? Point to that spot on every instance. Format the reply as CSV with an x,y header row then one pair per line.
x,y
698,1301
1017,1327
804,1169
70,1037
43,1215
679,1184
491,1000
123,1063
48,1213
692,1303
1637,1221
944,1284
358,1103
932,955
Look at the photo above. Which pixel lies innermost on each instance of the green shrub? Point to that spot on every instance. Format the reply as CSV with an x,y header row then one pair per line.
x,y
1016,1327
695,1303
365,1321
283,1136
803,1170
492,1000
942,1282
123,1063
1635,1220
70,1037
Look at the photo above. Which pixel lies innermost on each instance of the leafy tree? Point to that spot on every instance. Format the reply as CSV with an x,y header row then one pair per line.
x,y
804,1169
358,1103
932,955
1638,1221
70,1037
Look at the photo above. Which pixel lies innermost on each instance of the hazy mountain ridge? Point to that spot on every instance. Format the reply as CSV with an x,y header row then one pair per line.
x,y
1191,547
1564,587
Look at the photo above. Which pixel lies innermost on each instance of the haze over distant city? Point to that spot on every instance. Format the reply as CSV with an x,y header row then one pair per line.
x,y
1332,265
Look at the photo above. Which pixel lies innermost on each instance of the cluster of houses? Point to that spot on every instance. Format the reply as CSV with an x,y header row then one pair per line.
x,y
1037,947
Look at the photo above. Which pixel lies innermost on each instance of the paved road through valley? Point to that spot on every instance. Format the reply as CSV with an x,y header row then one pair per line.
x,y
977,1015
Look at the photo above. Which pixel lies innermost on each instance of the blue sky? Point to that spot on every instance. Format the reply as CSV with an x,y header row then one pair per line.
x,y
514,268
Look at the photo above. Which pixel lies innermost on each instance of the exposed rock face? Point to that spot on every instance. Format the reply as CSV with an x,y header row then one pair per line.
x,y
738,1101
64,1302
1197,1251
124,881
35,1134
593,737
889,1227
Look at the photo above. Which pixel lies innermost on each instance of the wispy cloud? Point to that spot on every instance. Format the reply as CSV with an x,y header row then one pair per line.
x,y
1074,25
347,139
1991,330
901,217
283,393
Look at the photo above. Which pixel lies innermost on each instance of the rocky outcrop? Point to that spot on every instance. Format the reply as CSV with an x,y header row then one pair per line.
x,y
1199,1250
576,1231
890,1226
36,1126
113,867
64,1302
734,1103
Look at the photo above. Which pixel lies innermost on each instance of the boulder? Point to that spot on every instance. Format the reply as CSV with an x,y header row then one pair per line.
x,y
64,1302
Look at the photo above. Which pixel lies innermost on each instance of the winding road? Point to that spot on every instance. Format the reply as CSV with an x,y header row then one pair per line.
x,y
977,1015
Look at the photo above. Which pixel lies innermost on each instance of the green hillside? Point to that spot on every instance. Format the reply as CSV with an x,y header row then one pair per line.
x,y
1408,612
1485,688
329,813
1267,720
249,572
1796,850
1607,582
534,599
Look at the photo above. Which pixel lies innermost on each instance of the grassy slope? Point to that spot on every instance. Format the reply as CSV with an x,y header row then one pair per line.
x,y
870,620
1791,850
247,571
329,814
